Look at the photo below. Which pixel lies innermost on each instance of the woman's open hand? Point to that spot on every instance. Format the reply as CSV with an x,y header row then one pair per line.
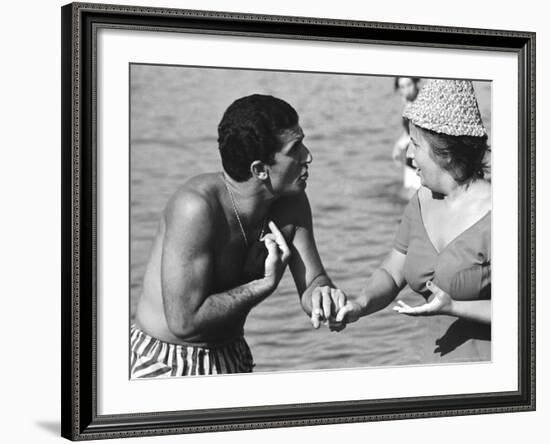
x,y
441,303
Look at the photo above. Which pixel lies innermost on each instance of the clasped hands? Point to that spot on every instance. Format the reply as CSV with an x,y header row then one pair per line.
x,y
331,307
326,302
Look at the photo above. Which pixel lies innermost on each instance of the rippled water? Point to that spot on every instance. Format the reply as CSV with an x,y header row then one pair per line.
x,y
351,123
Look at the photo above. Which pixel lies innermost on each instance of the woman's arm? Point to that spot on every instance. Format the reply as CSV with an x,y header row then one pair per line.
x,y
381,289
479,311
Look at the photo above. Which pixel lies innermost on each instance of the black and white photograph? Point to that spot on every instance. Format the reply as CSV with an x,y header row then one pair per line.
x,y
291,221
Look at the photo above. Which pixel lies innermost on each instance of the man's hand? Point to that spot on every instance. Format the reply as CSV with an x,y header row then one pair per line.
x,y
278,254
325,303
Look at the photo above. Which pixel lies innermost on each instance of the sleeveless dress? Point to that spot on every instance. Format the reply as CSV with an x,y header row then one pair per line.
x,y
463,270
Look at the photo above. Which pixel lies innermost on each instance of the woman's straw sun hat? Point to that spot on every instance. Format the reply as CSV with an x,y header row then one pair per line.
x,y
448,107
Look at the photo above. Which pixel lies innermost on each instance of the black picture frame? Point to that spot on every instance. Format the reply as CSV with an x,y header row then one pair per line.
x,y
80,420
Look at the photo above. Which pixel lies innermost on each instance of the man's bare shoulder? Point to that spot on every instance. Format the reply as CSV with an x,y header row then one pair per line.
x,y
194,202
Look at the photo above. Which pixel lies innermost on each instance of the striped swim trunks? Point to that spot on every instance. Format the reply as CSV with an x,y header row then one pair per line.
x,y
153,358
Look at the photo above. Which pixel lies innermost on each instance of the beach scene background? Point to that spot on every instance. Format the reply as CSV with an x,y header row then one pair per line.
x,y
351,123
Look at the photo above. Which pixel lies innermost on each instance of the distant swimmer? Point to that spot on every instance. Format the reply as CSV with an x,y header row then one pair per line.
x,y
408,88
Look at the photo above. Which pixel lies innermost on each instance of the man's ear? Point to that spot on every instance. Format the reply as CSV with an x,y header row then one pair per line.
x,y
259,170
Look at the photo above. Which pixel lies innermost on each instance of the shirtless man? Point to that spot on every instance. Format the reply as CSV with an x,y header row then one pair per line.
x,y
223,244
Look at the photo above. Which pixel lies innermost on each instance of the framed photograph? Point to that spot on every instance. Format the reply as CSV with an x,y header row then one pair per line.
x,y
279,221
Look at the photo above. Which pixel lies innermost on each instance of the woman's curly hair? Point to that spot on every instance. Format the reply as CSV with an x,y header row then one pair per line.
x,y
463,156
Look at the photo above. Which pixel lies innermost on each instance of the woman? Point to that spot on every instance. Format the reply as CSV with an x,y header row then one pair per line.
x,y
443,245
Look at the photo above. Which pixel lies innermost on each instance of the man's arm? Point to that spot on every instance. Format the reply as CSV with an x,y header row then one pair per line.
x,y
306,267
187,266
315,289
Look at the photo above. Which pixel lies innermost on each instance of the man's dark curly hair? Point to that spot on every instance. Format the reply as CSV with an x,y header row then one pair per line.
x,y
248,132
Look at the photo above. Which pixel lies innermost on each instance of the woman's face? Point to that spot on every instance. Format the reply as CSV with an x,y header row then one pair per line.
x,y
431,175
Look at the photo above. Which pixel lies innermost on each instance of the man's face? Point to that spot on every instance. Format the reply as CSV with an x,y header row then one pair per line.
x,y
289,173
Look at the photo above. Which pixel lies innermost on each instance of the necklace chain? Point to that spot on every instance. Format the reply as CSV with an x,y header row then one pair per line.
x,y
237,215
